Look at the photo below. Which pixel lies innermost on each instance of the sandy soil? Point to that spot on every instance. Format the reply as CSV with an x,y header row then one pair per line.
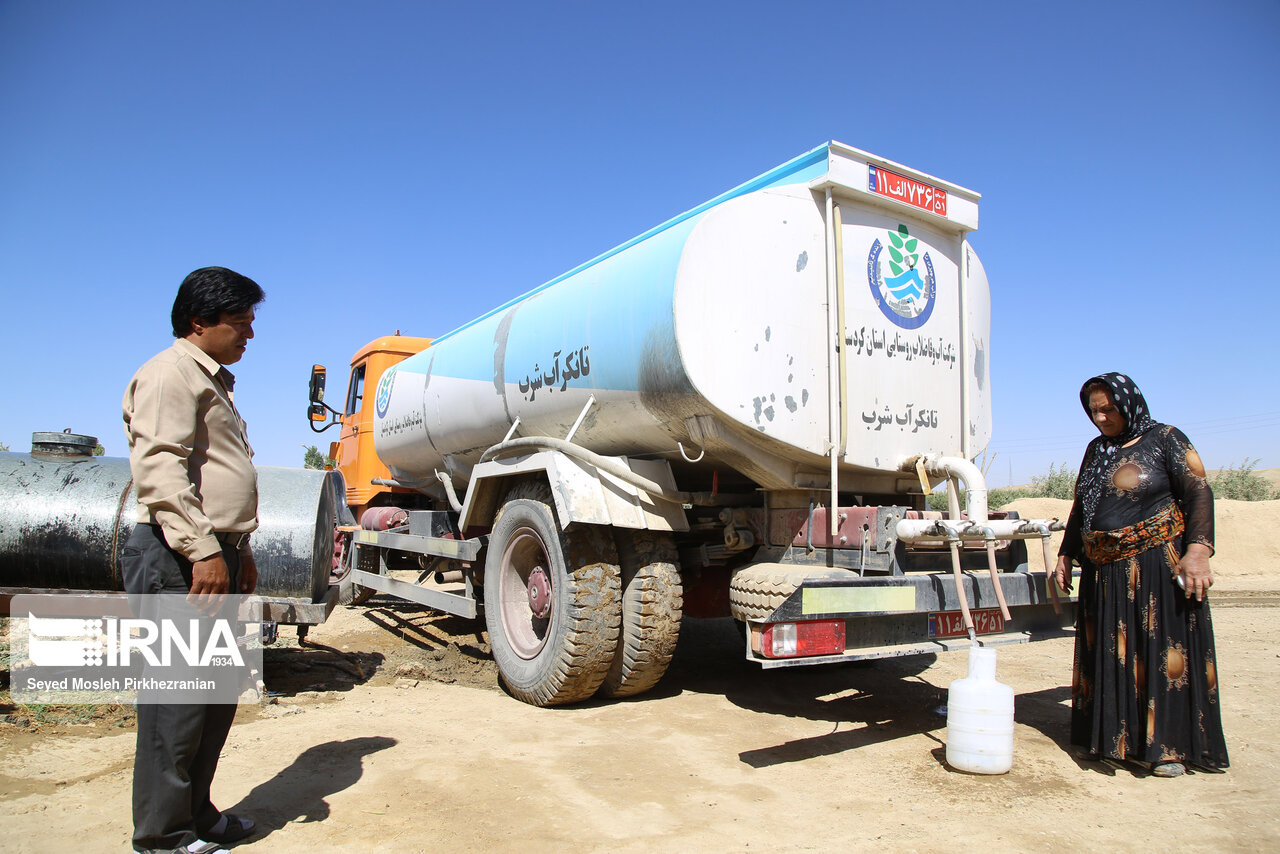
x,y
393,735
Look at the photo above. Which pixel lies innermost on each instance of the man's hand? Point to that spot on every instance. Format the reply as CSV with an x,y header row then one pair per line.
x,y
210,581
1197,578
248,573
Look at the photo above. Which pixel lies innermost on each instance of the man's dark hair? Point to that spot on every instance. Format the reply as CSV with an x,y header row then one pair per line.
x,y
209,293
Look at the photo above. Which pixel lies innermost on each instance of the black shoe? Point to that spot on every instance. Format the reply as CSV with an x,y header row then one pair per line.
x,y
237,828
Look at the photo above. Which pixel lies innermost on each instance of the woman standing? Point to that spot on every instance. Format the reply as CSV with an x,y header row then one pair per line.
x,y
1145,683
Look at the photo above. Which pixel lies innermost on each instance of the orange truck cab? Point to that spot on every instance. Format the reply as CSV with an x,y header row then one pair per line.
x,y
353,453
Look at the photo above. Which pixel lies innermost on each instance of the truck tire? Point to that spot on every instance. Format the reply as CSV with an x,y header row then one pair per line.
x,y
652,603
755,592
552,601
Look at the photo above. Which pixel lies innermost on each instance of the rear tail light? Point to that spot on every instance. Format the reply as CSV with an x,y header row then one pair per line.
x,y
794,640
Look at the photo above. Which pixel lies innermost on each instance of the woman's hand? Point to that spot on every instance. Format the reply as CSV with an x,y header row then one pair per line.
x,y
1197,578
1062,573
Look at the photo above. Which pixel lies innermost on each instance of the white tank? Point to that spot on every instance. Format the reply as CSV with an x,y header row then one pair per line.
x,y
717,331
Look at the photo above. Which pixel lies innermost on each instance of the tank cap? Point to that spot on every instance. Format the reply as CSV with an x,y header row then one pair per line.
x,y
64,444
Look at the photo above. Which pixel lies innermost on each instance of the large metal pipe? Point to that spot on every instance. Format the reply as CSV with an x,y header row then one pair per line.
x,y
65,517
944,530
955,467
61,520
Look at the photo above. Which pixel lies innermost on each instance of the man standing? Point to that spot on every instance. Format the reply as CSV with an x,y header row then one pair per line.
x,y
197,504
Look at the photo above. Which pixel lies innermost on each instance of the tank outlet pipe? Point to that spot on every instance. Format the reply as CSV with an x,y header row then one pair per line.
x,y
956,467
1043,529
449,491
944,530
603,463
990,536
964,598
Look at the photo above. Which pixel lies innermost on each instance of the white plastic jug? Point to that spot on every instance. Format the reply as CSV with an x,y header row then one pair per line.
x,y
980,718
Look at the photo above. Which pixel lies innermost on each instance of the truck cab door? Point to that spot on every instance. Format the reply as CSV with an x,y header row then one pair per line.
x,y
349,438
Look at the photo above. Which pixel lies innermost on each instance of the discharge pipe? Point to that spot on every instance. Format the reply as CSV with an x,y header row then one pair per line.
x,y
977,527
961,469
990,536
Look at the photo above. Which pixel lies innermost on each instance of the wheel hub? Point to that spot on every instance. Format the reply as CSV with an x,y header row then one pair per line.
x,y
539,588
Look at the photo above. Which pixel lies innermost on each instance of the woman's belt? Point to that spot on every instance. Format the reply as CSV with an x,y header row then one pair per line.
x,y
1110,546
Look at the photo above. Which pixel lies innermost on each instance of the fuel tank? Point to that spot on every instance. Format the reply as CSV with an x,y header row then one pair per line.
x,y
65,517
760,329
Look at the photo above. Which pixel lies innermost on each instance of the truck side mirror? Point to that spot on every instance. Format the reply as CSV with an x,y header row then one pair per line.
x,y
317,390
317,413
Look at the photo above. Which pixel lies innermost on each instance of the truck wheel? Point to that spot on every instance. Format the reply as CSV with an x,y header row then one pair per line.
x,y
756,592
652,602
552,601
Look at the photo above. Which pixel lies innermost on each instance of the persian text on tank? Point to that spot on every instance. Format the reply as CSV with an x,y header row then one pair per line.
x,y
872,342
564,368
926,419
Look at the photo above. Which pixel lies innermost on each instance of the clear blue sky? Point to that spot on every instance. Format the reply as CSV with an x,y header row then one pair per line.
x,y
410,165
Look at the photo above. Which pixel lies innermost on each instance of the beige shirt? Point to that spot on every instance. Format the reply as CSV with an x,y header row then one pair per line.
x,y
189,451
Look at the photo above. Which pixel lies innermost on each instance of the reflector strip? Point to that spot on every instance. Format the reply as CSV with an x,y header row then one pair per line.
x,y
856,600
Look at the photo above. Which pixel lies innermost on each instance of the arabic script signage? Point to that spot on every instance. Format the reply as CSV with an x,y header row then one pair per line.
x,y
562,369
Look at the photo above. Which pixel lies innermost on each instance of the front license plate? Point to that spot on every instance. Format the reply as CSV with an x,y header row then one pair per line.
x,y
950,624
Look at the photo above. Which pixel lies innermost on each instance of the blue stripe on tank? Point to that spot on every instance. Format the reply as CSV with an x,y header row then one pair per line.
x,y
619,311
798,170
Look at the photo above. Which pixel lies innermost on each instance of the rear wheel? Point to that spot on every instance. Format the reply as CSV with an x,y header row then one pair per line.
x,y
552,601
652,603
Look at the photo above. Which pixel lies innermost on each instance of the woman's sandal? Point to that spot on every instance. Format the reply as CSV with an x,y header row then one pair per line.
x,y
1168,769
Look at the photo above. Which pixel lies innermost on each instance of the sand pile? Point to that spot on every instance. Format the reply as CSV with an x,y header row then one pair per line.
x,y
1247,534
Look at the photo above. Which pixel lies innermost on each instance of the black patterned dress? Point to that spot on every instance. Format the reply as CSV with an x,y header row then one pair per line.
x,y
1145,684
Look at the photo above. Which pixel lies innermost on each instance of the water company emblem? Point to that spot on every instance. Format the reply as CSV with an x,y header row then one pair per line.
x,y
904,296
384,392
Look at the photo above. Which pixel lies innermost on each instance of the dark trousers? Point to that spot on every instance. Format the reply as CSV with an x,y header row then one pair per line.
x,y
178,744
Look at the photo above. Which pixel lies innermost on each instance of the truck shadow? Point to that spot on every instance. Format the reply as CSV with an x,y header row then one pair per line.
x,y
884,699
427,629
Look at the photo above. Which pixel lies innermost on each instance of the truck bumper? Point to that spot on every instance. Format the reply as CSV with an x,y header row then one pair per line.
x,y
912,614
293,611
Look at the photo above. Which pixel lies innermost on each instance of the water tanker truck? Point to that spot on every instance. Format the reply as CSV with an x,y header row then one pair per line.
x,y
739,412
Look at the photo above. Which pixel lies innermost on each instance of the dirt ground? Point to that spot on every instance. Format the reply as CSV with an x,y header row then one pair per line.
x,y
388,732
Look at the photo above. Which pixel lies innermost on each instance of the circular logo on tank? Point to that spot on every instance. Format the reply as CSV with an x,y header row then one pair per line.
x,y
902,280
383,398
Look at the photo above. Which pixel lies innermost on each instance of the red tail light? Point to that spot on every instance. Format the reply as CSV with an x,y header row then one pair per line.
x,y
795,640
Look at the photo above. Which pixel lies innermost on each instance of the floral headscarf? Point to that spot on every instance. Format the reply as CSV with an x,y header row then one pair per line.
x,y
1102,450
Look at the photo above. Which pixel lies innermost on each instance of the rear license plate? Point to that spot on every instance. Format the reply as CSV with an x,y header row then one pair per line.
x,y
950,624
